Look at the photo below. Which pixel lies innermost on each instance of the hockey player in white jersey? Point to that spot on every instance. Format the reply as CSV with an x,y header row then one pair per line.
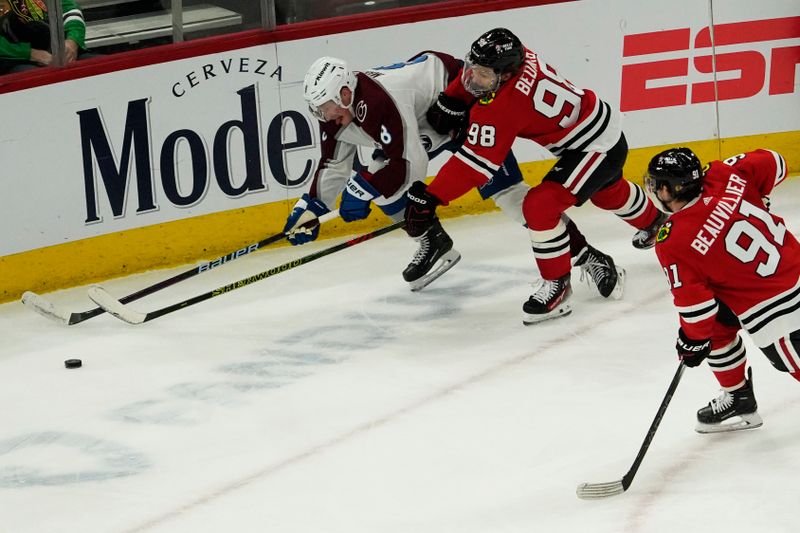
x,y
386,110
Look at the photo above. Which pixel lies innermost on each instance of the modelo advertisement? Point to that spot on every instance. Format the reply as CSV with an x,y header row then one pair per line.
x,y
218,132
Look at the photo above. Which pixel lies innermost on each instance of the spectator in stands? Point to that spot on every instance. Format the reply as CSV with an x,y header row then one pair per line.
x,y
25,34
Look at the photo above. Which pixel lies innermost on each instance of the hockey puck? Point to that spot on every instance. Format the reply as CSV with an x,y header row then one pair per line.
x,y
73,363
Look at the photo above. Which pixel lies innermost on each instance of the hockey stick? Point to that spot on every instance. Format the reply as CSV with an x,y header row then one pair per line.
x,y
111,305
48,309
593,491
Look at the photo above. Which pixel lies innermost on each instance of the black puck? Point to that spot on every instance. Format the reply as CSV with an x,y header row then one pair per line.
x,y
73,363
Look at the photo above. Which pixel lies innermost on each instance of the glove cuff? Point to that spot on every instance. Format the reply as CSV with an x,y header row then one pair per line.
x,y
418,193
360,188
315,205
692,345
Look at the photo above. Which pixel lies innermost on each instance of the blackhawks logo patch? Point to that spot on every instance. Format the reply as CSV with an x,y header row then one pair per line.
x,y
663,231
486,100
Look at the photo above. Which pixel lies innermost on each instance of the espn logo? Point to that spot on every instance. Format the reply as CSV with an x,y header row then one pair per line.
x,y
741,72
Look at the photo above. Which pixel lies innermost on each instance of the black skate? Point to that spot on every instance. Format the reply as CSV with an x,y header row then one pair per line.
x,y
732,411
600,268
646,238
548,302
435,245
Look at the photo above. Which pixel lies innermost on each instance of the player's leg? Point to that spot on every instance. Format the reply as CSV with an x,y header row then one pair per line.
x,y
785,354
543,208
736,408
508,190
608,190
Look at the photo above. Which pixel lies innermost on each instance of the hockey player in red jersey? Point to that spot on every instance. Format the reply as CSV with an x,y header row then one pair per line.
x,y
513,93
730,264
385,112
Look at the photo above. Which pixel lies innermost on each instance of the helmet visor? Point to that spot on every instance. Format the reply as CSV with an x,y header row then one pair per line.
x,y
326,111
651,188
479,80
316,112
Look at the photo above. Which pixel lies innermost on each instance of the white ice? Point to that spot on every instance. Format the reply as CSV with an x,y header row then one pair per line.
x,y
331,399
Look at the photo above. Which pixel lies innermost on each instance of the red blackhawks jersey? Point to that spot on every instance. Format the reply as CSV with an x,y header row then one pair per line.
x,y
724,244
536,104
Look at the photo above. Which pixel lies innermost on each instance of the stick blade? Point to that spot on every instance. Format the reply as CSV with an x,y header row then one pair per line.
x,y
45,307
596,491
113,306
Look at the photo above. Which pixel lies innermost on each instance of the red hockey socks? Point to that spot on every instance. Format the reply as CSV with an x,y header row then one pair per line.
x,y
628,201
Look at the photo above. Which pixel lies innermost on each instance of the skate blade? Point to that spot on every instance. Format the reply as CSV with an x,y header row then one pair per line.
x,y
558,312
751,421
619,288
446,262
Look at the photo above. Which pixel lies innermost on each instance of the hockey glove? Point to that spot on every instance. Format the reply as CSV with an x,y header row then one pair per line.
x,y
310,207
420,211
690,351
447,115
356,197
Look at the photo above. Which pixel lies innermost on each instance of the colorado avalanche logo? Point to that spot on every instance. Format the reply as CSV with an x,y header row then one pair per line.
x,y
361,111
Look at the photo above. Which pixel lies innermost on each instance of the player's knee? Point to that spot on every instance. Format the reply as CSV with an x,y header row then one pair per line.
x,y
725,340
548,197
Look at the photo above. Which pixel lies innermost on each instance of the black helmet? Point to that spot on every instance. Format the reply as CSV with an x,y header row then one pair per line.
x,y
498,49
677,169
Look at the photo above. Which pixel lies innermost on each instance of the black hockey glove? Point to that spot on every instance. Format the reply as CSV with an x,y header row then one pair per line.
x,y
420,211
690,351
448,114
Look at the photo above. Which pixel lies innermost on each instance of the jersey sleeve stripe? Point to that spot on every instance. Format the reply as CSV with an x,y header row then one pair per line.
x,y
591,119
780,164
482,160
595,132
698,316
701,307
475,163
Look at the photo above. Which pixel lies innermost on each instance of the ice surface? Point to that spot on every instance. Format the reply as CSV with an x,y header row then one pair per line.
x,y
331,399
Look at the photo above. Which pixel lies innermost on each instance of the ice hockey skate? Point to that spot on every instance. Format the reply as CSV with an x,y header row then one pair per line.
x,y
600,269
646,238
548,302
731,411
434,257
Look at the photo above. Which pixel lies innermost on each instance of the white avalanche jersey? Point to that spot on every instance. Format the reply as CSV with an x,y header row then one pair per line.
x,y
389,108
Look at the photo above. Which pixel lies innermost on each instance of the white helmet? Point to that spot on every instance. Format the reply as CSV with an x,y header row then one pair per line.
x,y
324,81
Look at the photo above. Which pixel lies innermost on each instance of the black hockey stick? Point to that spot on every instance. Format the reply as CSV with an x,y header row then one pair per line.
x,y
593,491
47,308
111,305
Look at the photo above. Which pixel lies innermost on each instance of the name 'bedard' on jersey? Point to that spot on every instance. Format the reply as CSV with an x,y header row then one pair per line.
x,y
725,244
536,104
